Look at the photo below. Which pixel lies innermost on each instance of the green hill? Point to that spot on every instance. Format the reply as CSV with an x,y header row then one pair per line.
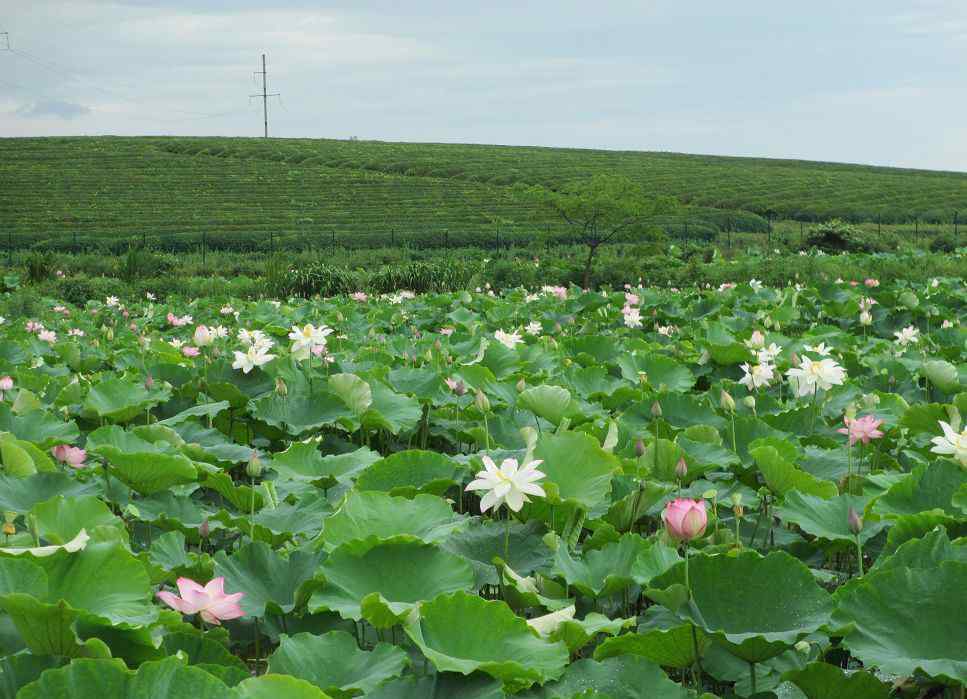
x,y
240,191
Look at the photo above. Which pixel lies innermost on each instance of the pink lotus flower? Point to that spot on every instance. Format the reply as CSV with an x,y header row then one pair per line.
x,y
631,299
685,519
190,351
360,296
32,326
6,384
861,430
872,283
72,456
210,601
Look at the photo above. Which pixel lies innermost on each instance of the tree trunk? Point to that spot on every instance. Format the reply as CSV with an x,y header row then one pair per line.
x,y
592,248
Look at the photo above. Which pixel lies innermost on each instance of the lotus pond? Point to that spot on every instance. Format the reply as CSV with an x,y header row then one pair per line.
x,y
741,491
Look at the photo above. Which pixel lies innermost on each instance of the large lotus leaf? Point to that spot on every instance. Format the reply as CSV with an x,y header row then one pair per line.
x,y
376,514
147,467
334,663
225,383
615,566
578,470
38,426
210,444
278,687
171,560
747,430
788,602
687,410
201,650
625,677
552,403
464,633
299,411
929,488
391,411
244,498
270,582
903,620
577,633
910,527
942,374
15,459
109,679
384,582
22,669
425,384
483,540
782,476
208,410
663,638
826,519
304,518
409,472
593,381
60,519
353,391
440,686
303,461
120,400
820,681
927,552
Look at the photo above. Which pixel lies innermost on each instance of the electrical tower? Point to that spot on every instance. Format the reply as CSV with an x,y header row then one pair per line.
x,y
265,96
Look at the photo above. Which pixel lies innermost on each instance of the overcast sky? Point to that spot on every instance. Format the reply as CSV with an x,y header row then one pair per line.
x,y
871,81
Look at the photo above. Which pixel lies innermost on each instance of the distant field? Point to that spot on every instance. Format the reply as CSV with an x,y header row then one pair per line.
x,y
234,190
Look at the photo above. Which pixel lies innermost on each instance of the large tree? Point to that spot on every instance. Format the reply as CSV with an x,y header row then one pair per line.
x,y
601,209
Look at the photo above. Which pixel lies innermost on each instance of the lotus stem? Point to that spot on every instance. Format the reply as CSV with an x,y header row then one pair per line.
x,y
859,555
752,676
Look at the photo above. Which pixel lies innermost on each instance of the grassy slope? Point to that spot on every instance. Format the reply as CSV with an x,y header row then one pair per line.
x,y
309,188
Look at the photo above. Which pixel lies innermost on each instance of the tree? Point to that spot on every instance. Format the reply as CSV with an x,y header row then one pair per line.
x,y
601,208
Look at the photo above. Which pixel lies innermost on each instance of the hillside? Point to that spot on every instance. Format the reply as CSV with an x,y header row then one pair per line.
x,y
236,190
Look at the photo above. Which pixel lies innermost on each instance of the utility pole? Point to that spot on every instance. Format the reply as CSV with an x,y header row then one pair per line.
x,y
5,46
265,97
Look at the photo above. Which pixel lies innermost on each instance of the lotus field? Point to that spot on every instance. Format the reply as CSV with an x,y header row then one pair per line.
x,y
740,491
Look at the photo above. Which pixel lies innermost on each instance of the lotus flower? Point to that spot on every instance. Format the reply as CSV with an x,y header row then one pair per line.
x,y
861,430
210,601
255,356
190,351
72,456
203,336
508,340
811,376
510,483
685,519
951,444
909,335
757,376
6,384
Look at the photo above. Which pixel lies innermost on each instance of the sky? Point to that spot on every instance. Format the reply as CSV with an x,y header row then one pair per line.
x,y
866,81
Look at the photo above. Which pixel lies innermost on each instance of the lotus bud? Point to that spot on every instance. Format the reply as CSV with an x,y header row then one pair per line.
x,y
727,402
9,528
656,409
803,647
794,360
437,345
892,381
339,317
481,401
204,529
254,466
280,387
866,318
557,328
854,521
639,447
850,412
642,377
749,402
521,385
681,469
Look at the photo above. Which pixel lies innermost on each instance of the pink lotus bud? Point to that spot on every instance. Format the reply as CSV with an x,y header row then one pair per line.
x,y
6,383
794,359
639,447
656,409
71,456
685,519
681,469
149,382
854,521
204,529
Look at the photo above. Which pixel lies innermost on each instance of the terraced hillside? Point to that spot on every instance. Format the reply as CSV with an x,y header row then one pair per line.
x,y
238,191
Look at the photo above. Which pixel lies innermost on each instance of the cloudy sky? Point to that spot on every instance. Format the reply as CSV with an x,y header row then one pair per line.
x,y
871,81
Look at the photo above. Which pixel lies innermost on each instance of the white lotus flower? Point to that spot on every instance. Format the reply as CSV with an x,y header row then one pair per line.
x,y
308,339
632,317
951,444
755,284
811,376
255,356
757,376
533,328
768,355
909,335
508,340
510,483
821,349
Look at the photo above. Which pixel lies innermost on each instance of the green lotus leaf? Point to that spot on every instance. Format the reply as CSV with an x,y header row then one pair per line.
x,y
210,444
303,461
391,411
483,540
577,633
278,687
926,604
826,518
464,633
243,497
788,602
109,679
208,410
615,566
910,527
353,391
168,554
624,677
144,466
663,373
408,472
303,519
334,663
38,427
270,582
225,383
120,400
60,519
929,488
820,680
201,650
22,669
440,686
376,514
663,638
552,403
926,553
425,384
299,411
684,410
782,477
632,504
383,583
578,467
521,592
942,374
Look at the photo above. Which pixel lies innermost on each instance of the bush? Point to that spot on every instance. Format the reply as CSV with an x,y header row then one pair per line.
x,y
838,236
943,243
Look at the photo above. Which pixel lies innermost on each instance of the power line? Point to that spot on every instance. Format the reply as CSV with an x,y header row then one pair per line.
x,y
265,96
